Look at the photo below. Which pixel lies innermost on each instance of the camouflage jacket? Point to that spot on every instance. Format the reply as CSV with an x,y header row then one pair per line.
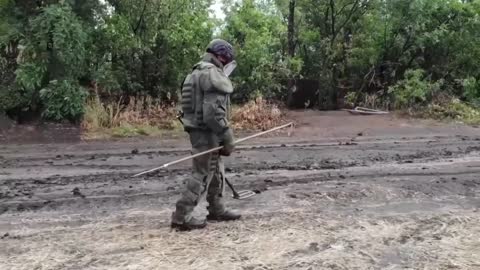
x,y
205,97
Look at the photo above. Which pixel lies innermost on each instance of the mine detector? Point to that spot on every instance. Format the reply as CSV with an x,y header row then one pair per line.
x,y
240,195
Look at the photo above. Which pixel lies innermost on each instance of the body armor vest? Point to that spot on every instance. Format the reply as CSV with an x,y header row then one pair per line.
x,y
192,99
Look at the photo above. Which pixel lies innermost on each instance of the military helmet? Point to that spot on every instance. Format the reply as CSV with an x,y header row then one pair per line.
x,y
222,48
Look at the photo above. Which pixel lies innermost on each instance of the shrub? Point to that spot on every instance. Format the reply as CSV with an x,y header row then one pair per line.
x,y
53,59
472,90
257,114
453,109
414,90
368,100
11,97
139,116
63,99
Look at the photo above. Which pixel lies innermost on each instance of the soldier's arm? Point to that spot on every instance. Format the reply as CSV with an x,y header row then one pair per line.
x,y
216,87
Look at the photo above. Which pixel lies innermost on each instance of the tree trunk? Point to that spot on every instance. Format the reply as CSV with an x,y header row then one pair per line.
x,y
291,28
291,48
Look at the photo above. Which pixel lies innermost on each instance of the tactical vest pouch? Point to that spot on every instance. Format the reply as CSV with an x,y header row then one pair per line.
x,y
188,104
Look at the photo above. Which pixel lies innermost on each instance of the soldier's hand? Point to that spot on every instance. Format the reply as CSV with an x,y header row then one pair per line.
x,y
227,140
225,152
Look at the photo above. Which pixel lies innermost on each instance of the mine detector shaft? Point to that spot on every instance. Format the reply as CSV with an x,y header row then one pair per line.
x,y
237,195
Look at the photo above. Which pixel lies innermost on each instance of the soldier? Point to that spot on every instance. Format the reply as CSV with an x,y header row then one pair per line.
x,y
205,105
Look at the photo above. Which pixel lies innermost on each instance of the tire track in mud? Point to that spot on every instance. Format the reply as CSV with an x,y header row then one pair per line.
x,y
254,168
11,158
263,157
159,186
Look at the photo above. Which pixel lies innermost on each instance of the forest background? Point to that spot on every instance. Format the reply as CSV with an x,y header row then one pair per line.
x,y
115,66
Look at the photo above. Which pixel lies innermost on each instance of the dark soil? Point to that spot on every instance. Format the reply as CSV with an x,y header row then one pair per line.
x,y
344,192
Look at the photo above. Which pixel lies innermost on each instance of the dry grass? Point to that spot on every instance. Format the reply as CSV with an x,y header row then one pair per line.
x,y
452,109
145,117
138,117
294,238
363,225
442,107
372,101
258,114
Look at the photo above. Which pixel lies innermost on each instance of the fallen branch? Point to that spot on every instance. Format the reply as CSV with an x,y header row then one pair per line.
x,y
365,111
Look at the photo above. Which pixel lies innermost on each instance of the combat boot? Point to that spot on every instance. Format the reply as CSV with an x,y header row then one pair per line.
x,y
226,216
192,224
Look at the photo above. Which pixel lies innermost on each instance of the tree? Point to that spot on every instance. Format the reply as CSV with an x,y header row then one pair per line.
x,y
53,60
148,46
291,28
53,51
258,37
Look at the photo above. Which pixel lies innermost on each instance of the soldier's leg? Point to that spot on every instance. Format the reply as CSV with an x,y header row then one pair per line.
x,y
215,197
216,202
196,186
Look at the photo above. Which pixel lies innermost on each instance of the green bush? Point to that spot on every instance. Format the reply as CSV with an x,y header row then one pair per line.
x,y
53,60
414,90
472,90
11,97
454,110
63,99
257,38
126,48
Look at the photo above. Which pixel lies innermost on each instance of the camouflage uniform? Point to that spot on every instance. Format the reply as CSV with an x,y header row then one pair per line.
x,y
205,108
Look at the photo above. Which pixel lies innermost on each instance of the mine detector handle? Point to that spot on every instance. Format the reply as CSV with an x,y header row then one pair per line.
x,y
291,124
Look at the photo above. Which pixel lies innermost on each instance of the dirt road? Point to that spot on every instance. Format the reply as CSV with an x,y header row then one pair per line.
x,y
344,192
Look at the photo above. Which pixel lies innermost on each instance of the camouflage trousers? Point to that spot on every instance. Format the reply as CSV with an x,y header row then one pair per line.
x,y
207,179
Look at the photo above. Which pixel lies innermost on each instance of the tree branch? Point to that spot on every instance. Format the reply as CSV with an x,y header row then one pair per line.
x,y
291,28
135,29
341,9
349,17
332,18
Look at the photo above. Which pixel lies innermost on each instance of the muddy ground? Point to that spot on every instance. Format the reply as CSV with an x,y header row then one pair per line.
x,y
343,192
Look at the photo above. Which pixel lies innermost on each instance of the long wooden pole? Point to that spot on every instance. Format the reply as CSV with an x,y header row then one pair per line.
x,y
213,150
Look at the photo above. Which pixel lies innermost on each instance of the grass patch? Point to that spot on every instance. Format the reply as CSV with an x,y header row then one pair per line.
x,y
367,100
257,114
138,117
132,131
144,117
443,107
453,109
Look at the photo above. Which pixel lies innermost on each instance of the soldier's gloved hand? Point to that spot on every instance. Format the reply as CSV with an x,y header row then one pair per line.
x,y
227,140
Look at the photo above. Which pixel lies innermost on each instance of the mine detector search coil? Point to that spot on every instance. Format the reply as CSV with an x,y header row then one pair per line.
x,y
237,195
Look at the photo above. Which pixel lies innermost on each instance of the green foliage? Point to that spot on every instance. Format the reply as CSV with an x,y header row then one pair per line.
x,y
379,51
30,76
472,90
8,28
10,97
415,89
122,47
256,36
454,110
147,48
63,99
366,46
350,99
53,58
55,47
131,131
